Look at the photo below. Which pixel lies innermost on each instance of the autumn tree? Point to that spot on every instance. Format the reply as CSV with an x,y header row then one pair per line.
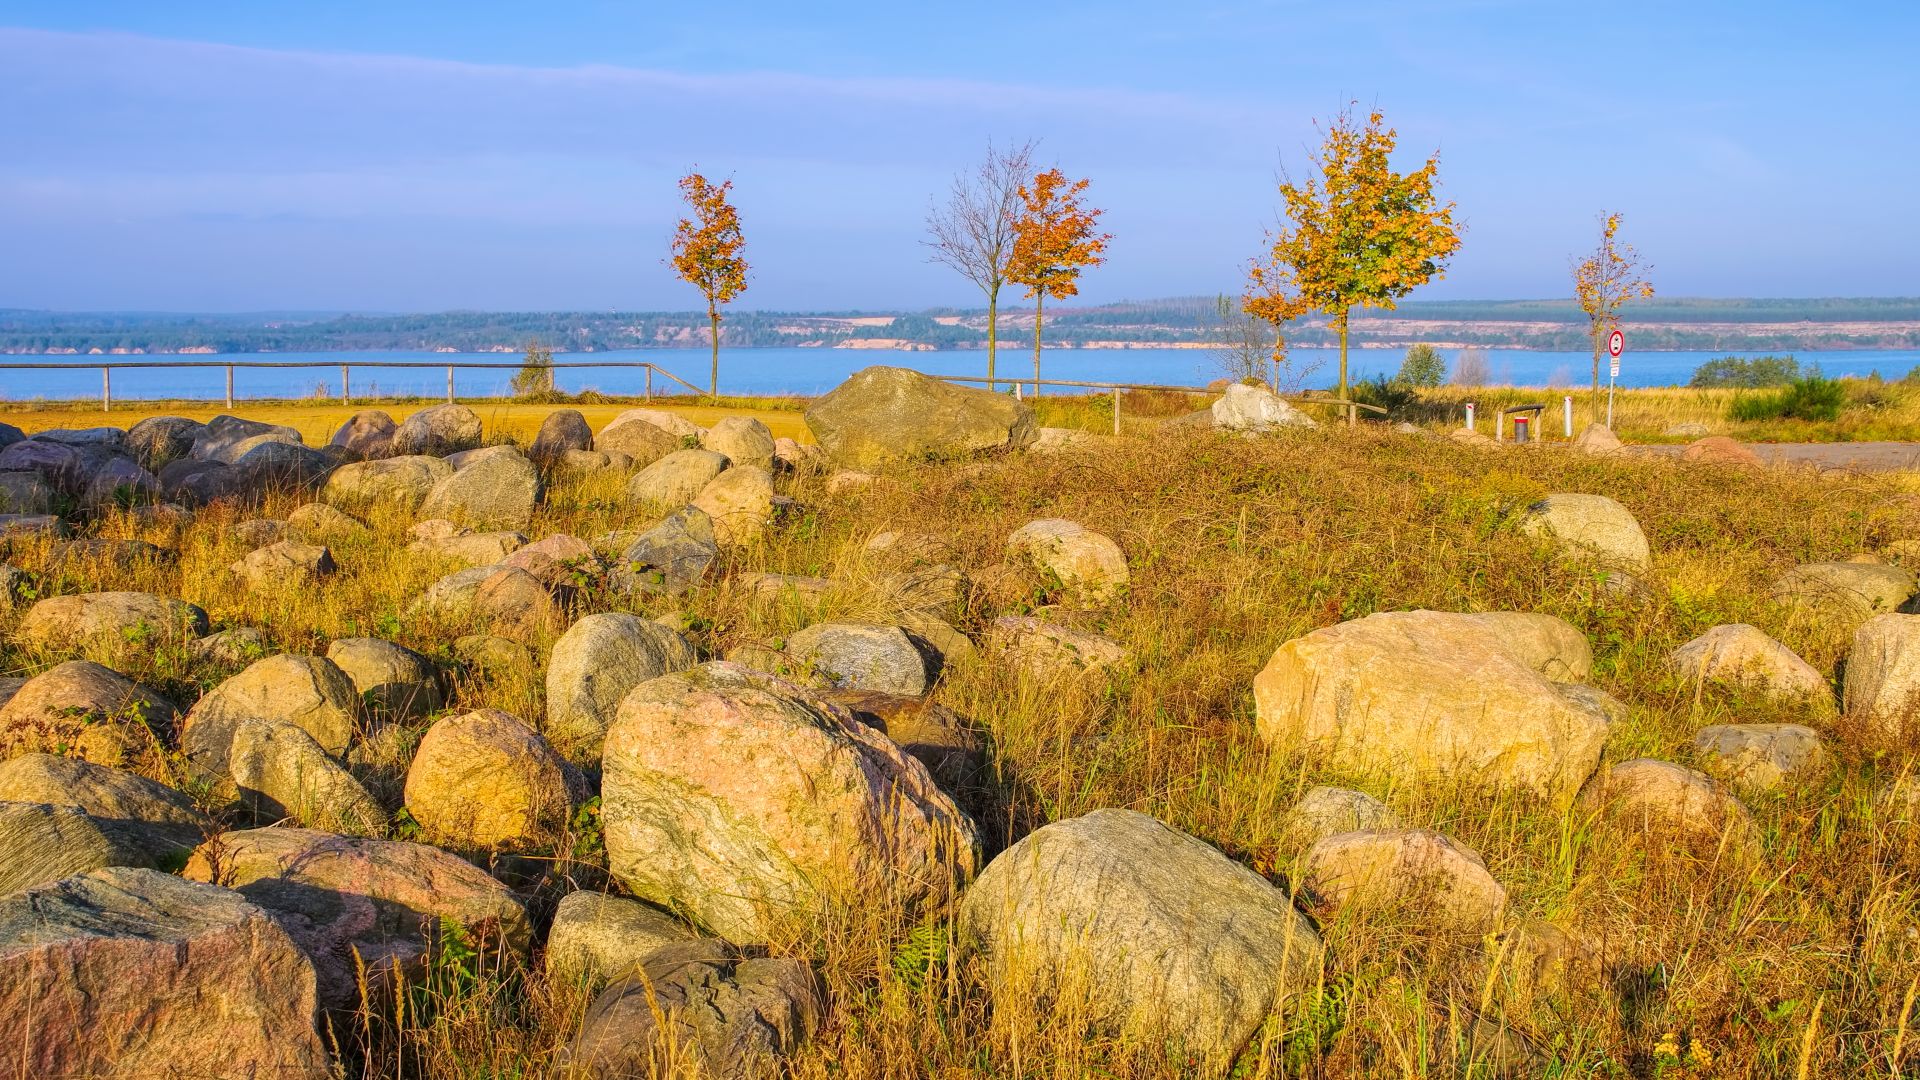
x,y
707,253
1053,240
1356,233
1603,282
973,232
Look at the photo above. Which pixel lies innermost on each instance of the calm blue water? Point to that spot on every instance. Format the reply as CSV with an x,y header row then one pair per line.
x,y
813,371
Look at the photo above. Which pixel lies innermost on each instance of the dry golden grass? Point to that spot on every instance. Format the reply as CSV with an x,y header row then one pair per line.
x,y
1876,411
1703,969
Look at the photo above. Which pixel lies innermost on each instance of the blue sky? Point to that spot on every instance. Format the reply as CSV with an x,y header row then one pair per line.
x,y
422,156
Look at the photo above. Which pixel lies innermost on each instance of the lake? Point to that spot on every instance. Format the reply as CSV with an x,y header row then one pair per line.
x,y
814,371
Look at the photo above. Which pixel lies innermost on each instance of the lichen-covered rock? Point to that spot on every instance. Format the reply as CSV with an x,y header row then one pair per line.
x,y
114,620
1171,939
671,557
1736,654
437,431
309,692
1414,873
158,440
1047,650
1088,566
887,414
1762,757
861,656
400,483
42,843
82,709
1664,802
1255,409
642,440
237,647
597,938
700,1003
132,973
1414,694
561,431
226,439
1591,528
498,488
1883,676
283,775
1327,811
594,665
1548,645
24,493
739,502
287,565
676,479
466,547
483,780
274,464
366,434
392,681
1847,593
742,440
691,823
381,902
98,791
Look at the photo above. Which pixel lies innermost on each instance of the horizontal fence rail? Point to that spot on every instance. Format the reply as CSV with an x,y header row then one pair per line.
x,y
108,367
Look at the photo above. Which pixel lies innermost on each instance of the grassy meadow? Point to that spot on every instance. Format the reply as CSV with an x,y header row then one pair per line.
x,y
1803,965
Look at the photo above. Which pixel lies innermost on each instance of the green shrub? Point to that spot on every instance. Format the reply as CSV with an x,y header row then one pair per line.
x,y
1422,367
1390,394
1811,397
1746,374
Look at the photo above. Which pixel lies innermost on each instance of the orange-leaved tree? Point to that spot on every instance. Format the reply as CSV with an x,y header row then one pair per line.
x,y
1356,234
1053,241
707,253
974,231
1603,282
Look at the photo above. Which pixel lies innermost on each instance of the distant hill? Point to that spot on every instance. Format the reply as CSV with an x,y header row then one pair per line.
x,y
1664,323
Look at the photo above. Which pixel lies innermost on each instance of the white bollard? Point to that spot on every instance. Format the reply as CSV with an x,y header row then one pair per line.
x,y
1469,416
1566,410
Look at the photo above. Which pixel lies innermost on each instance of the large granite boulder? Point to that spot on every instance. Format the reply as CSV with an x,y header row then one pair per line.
x,y
1172,940
366,434
380,902
1087,566
674,480
1844,593
1415,694
890,414
1739,655
401,483
42,843
112,620
282,774
1255,409
700,1004
1762,757
671,557
741,440
1883,677
483,780
739,502
594,665
392,681
497,488
226,439
437,431
745,850
130,973
1590,528
1662,803
158,440
288,565
100,792
308,692
641,440
561,431
861,656
82,709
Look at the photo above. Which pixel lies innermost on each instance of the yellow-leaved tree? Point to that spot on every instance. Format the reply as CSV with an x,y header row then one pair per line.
x,y
707,253
1356,233
1603,282
1053,241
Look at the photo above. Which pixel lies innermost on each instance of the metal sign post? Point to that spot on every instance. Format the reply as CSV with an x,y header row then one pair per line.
x,y
1616,344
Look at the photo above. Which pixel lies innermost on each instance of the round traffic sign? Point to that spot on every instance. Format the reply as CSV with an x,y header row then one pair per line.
x,y
1616,344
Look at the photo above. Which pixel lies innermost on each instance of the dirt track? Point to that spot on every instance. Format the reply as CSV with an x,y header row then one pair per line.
x,y
1863,456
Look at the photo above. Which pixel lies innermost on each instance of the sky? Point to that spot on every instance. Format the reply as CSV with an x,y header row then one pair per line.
x,y
422,156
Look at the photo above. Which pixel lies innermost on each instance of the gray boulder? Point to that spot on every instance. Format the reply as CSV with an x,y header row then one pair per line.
x,y
366,434
283,775
24,493
596,937
674,480
1256,409
42,843
741,440
1328,811
861,656
158,440
401,483
99,792
1739,655
129,973
82,708
498,488
225,439
392,681
671,557
642,441
1762,757
308,692
1848,593
1590,528
699,1003
561,431
1883,677
1178,941
890,414
277,465
739,502
438,430
597,662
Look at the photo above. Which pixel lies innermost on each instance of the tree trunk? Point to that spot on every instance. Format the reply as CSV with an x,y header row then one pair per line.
x,y
1343,367
713,331
1595,403
1039,298
993,331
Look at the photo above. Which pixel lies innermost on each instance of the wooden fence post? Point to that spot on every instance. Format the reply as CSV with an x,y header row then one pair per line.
x,y
1116,410
106,389
229,386
449,384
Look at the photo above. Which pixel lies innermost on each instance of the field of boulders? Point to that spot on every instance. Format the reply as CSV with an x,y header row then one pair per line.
x,y
950,745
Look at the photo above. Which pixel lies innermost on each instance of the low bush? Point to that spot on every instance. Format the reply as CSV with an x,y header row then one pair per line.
x,y
1812,397
1745,373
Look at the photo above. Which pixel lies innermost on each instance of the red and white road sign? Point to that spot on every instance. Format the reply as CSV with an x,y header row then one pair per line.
x,y
1616,344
